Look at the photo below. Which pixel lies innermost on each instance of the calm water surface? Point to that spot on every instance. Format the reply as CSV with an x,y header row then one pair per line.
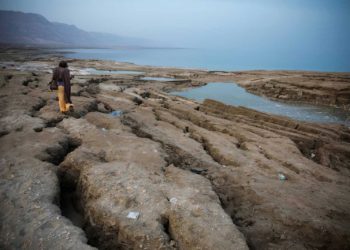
x,y
233,94
161,79
112,72
215,59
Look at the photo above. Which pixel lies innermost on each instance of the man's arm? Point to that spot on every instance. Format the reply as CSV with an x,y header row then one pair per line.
x,y
66,76
55,74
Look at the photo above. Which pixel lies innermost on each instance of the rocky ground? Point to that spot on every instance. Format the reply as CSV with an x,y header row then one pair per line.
x,y
135,168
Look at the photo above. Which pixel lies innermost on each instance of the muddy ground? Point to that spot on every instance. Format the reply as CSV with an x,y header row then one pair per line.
x,y
163,172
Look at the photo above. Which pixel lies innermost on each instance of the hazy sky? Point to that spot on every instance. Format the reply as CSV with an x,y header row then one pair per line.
x,y
245,24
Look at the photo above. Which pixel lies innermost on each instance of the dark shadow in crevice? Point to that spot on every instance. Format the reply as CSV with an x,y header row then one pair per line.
x,y
104,237
58,152
69,205
38,106
69,200
164,221
72,206
4,132
53,122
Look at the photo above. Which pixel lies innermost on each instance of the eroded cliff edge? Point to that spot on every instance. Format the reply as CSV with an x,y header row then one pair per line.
x,y
195,176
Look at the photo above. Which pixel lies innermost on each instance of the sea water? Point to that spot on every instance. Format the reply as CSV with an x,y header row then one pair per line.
x,y
215,59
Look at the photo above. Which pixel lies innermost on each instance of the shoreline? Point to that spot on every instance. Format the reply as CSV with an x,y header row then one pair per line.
x,y
251,89
164,172
279,85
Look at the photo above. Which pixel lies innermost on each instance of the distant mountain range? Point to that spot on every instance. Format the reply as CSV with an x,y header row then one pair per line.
x,y
32,29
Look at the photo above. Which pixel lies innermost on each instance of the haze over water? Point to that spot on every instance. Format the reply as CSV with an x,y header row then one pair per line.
x,y
211,59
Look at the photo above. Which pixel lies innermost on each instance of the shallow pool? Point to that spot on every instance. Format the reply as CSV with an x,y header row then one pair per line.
x,y
161,79
112,72
233,94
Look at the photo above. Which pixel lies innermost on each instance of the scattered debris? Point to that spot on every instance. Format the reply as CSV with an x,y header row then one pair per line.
x,y
173,201
282,177
116,113
133,215
198,170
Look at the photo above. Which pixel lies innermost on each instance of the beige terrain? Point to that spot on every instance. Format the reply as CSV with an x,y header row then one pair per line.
x,y
166,172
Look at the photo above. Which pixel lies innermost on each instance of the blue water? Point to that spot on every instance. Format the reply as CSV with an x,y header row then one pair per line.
x,y
161,79
233,94
218,59
113,72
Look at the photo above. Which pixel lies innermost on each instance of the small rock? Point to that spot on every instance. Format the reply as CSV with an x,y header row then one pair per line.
x,y
145,95
197,211
137,101
172,243
312,155
101,108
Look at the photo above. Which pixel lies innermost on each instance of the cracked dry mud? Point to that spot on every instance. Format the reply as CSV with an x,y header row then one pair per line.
x,y
200,176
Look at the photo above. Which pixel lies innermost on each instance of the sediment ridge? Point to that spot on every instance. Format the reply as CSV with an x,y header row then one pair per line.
x,y
133,167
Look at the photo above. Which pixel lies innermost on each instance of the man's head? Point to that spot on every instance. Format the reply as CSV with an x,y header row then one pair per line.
x,y
63,64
